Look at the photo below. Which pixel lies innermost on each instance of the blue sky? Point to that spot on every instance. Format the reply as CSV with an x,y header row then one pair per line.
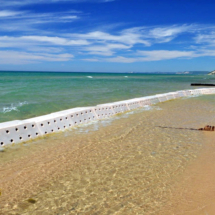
x,y
107,35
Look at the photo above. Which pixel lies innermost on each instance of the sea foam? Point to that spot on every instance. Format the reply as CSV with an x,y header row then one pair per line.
x,y
12,107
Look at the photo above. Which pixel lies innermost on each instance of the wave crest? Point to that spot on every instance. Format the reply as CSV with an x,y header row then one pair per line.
x,y
13,107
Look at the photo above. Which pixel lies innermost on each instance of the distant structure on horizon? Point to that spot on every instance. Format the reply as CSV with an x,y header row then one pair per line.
x,y
182,73
212,73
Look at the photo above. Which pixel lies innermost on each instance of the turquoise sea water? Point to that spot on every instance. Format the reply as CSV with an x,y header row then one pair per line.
x,y
29,94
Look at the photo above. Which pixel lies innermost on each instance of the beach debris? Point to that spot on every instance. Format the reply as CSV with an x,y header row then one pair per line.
x,y
178,128
32,201
207,128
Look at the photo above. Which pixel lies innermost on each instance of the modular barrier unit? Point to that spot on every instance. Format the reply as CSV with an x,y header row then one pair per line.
x,y
148,100
24,130
176,95
119,107
181,93
171,95
162,97
17,131
196,92
104,111
133,104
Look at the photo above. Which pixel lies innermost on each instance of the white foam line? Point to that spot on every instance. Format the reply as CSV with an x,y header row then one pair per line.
x,y
24,130
13,107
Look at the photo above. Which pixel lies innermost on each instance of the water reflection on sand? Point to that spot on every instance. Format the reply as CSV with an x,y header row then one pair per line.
x,y
126,165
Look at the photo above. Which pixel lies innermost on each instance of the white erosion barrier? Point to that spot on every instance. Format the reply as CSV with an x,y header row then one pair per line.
x,y
24,130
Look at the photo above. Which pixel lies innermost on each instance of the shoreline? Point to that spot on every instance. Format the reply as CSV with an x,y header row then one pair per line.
x,y
24,130
127,164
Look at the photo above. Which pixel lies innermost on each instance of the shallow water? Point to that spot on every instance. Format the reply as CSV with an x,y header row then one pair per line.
x,y
129,164
24,95
194,192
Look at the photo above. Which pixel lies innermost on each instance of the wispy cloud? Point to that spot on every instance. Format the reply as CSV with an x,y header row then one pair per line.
x,y
15,3
30,36
90,59
56,40
106,49
17,57
158,55
8,13
121,59
11,19
126,37
207,39
166,34
154,55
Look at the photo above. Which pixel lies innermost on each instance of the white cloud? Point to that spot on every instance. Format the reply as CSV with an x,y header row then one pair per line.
x,y
23,21
13,42
40,32
170,31
16,57
15,3
120,59
69,17
124,37
206,38
138,35
26,41
157,55
125,46
205,52
156,34
90,60
29,19
106,49
8,13
56,40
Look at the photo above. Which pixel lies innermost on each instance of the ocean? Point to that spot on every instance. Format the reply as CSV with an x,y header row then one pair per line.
x,y
28,94
148,161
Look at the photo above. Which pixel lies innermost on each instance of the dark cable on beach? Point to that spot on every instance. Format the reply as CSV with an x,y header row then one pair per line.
x,y
206,128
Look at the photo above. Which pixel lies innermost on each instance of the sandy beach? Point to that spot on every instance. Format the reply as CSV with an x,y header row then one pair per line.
x,y
131,164
195,193
103,105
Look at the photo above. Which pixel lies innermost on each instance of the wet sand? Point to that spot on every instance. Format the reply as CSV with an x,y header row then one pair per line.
x,y
139,163
195,193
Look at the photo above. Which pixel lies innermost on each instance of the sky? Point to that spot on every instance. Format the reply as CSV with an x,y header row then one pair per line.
x,y
107,35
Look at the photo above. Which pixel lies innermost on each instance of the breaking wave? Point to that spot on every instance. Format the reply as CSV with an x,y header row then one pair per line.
x,y
12,107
